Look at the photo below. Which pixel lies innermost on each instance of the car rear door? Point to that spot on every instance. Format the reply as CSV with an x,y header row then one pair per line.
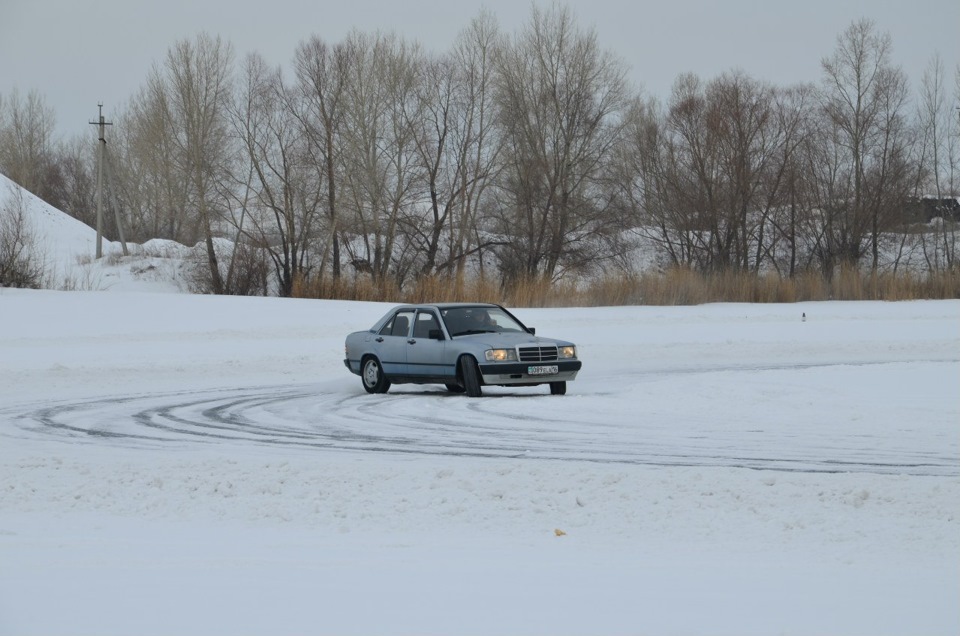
x,y
392,343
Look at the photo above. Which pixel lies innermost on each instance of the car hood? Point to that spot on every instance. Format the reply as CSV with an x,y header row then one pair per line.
x,y
504,340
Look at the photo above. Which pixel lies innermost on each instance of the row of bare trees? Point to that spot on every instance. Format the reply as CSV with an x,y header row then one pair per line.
x,y
739,174
530,154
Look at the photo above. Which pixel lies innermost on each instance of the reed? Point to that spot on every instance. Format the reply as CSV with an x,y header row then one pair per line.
x,y
675,286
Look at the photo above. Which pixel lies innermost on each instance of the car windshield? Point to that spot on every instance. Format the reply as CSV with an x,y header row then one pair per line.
x,y
463,321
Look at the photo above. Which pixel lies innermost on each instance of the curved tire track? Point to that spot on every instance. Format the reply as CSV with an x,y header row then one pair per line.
x,y
425,421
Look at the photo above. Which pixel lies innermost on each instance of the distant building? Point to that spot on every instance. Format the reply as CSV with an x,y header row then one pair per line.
x,y
926,209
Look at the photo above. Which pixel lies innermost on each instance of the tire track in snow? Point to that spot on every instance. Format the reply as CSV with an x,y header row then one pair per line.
x,y
422,420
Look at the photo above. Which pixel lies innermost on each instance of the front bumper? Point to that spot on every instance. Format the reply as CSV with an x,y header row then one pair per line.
x,y
511,373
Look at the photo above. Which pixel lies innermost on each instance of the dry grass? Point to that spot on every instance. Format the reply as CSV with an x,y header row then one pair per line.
x,y
360,288
679,286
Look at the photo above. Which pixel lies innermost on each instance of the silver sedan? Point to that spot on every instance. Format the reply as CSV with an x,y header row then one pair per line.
x,y
462,346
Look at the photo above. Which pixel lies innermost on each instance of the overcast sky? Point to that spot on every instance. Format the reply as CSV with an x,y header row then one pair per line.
x,y
77,53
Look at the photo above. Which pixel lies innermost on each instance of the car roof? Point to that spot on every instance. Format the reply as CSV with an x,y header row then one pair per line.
x,y
444,305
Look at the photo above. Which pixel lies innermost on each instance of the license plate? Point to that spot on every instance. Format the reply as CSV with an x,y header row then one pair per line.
x,y
543,370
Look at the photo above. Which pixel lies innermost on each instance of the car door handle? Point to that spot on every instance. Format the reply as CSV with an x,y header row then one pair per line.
x,y
380,339
412,341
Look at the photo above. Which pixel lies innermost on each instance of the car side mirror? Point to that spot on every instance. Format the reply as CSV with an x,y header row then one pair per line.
x,y
532,331
435,334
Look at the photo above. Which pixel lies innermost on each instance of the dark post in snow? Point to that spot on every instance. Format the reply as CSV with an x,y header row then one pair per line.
x,y
101,160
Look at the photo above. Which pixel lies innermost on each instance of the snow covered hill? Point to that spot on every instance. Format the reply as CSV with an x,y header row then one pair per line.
x,y
65,248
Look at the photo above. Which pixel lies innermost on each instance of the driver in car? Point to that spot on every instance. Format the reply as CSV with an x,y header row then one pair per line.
x,y
483,321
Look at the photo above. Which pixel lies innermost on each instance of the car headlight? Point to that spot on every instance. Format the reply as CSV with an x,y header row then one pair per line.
x,y
500,355
568,352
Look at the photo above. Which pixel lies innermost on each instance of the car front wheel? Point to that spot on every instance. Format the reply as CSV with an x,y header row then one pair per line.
x,y
471,376
558,388
374,381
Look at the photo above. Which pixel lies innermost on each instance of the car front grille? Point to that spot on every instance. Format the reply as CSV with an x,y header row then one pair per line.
x,y
537,354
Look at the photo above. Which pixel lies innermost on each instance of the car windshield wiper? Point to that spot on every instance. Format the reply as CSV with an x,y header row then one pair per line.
x,y
470,332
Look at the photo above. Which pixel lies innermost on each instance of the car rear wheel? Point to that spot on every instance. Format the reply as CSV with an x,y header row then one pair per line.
x,y
471,376
374,381
454,388
558,388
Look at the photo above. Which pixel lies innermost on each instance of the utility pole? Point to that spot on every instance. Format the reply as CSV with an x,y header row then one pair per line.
x,y
101,160
100,148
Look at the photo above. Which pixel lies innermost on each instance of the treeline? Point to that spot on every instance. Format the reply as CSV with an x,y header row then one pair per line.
x,y
525,156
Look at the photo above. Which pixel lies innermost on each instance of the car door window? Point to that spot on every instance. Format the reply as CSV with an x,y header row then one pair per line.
x,y
425,322
387,328
398,325
401,324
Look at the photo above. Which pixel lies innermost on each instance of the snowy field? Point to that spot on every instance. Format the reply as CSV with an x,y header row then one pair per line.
x,y
177,464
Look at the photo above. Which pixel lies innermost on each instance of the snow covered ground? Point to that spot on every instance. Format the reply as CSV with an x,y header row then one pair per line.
x,y
178,464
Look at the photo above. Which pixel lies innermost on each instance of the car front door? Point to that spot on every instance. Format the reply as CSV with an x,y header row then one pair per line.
x,y
426,355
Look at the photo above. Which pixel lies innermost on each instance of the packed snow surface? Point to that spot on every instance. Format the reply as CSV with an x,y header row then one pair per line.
x,y
192,464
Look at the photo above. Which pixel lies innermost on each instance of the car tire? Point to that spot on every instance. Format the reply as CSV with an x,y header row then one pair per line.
x,y
471,376
558,388
454,388
371,373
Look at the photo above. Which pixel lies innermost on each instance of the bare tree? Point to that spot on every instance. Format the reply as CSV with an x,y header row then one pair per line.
x,y
642,179
953,136
864,102
937,162
680,161
434,125
458,148
380,167
560,101
27,149
934,119
726,135
76,188
20,264
155,187
479,142
712,174
287,178
322,73
793,217
193,88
